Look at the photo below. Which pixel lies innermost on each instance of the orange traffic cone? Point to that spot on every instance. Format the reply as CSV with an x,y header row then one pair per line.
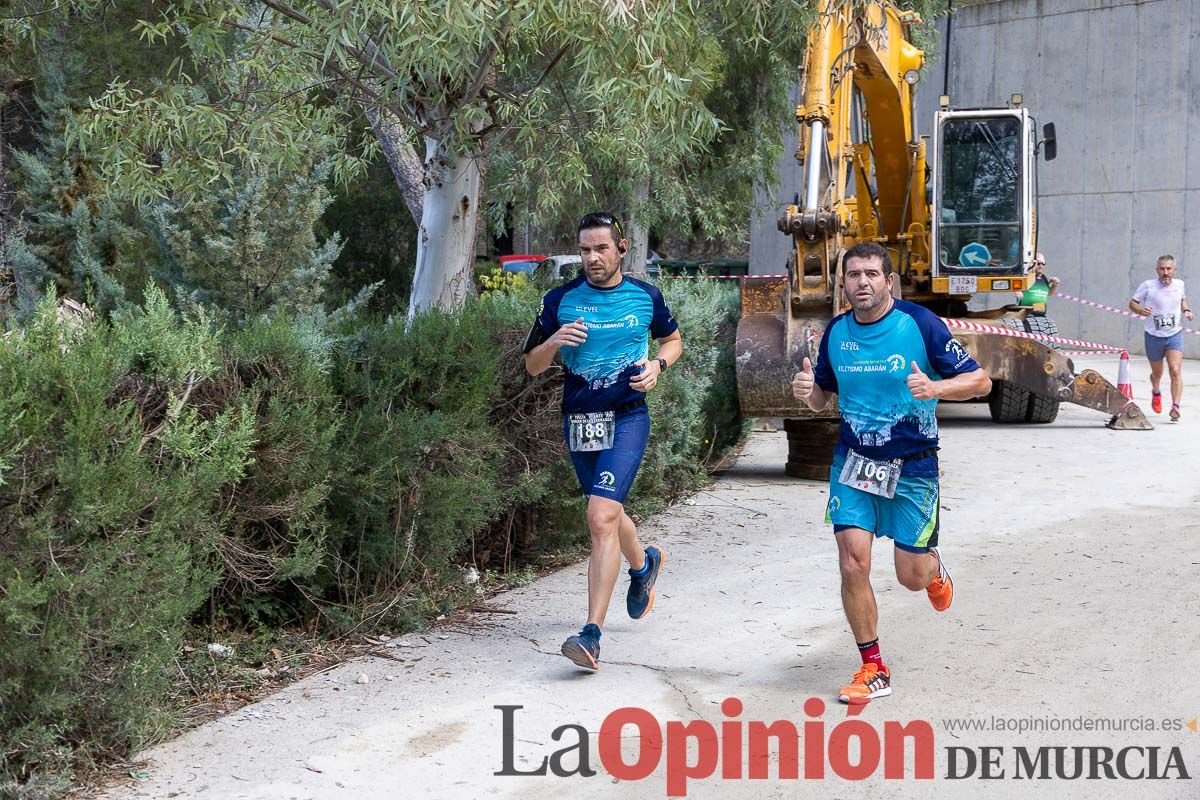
x,y
1123,384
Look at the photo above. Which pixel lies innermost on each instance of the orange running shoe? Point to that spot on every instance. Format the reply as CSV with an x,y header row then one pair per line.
x,y
941,588
867,684
1156,402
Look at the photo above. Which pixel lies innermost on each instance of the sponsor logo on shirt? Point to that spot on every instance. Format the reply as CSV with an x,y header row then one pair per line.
x,y
958,352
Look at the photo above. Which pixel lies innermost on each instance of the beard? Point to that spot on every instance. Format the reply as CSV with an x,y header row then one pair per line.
x,y
604,276
872,303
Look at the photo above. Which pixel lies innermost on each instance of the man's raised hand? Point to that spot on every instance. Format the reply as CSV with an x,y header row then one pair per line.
x,y
572,334
802,383
920,385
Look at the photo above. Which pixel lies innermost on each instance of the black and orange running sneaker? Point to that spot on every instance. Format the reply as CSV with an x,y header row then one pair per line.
x,y
941,588
1156,402
868,683
1174,412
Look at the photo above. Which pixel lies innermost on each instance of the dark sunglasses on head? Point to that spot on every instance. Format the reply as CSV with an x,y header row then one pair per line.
x,y
598,218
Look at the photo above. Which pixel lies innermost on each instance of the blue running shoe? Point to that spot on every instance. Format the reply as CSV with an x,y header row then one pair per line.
x,y
640,599
584,648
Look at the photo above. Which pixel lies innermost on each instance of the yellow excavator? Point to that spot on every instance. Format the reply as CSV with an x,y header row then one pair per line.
x,y
957,220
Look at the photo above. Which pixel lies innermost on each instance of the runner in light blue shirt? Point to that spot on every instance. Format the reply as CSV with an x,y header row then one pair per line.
x,y
888,362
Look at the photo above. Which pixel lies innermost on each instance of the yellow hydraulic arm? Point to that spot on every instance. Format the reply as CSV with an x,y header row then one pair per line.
x,y
856,124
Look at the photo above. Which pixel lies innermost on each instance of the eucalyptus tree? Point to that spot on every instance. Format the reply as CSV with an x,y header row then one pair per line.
x,y
269,82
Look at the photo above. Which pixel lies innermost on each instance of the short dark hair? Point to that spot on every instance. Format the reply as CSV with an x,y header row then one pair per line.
x,y
869,250
1167,257
601,219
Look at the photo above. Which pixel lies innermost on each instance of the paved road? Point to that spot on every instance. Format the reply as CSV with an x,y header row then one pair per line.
x,y
1075,550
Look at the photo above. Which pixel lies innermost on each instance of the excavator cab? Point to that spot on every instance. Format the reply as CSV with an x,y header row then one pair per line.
x,y
983,214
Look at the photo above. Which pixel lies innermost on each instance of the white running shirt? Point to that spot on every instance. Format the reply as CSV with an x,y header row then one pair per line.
x,y
1165,304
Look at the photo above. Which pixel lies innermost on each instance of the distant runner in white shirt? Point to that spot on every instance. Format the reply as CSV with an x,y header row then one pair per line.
x,y
1164,305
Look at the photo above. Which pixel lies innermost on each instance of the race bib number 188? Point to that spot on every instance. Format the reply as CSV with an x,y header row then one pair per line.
x,y
591,432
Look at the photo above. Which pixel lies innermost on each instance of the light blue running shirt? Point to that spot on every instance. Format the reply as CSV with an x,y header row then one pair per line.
x,y
868,365
620,321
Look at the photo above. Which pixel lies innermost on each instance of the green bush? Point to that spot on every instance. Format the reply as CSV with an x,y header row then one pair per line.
x,y
156,472
694,410
108,525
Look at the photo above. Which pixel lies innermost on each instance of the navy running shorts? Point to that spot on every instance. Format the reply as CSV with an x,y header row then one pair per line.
x,y
609,473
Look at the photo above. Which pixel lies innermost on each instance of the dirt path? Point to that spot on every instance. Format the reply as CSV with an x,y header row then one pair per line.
x,y
1075,549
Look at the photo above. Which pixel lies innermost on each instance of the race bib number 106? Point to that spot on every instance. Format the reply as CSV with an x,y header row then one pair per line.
x,y
867,475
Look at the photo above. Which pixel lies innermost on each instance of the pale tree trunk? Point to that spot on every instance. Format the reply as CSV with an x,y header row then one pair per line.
x,y
638,233
446,236
406,165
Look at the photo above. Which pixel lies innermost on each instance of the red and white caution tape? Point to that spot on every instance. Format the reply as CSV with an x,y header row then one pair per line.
x,y
729,277
1092,347
1093,304
1111,309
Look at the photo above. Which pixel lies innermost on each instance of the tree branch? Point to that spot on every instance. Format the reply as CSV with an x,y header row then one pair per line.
x,y
360,87
562,51
407,167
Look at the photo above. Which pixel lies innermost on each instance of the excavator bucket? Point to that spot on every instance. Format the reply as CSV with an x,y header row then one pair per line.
x,y
772,343
771,347
1047,372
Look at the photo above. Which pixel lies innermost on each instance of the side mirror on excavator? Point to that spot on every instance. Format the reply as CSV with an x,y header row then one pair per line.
x,y
1049,142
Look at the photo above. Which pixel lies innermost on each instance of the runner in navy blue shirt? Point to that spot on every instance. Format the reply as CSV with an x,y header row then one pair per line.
x,y
602,322
888,362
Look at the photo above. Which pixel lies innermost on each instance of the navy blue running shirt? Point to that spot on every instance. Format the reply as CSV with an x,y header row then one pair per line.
x,y
620,321
868,365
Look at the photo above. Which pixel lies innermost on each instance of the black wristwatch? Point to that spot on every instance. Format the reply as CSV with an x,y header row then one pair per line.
x,y
662,365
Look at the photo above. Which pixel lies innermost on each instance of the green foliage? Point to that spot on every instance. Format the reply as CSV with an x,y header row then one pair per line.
x,y
156,470
273,539
573,103
497,281
73,232
109,523
742,69
379,239
419,465
698,395
251,248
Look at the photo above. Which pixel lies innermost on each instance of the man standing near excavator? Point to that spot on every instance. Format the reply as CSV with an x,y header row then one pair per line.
x,y
889,362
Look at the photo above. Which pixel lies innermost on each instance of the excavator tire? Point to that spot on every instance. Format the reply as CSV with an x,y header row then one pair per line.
x,y
1009,403
1042,409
